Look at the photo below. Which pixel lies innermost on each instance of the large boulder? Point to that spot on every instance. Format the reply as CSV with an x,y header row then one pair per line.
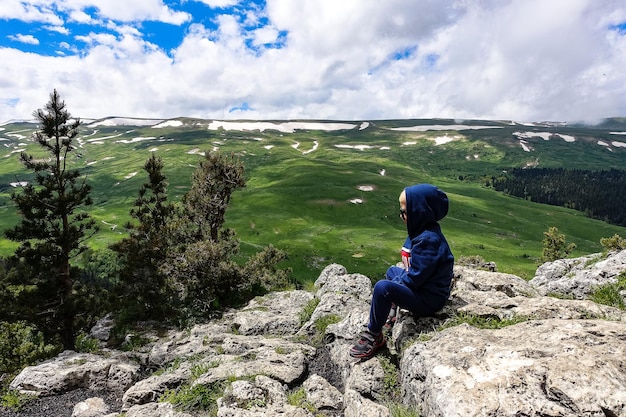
x,y
536,368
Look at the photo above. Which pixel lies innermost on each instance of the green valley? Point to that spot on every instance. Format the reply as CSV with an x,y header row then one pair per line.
x,y
326,191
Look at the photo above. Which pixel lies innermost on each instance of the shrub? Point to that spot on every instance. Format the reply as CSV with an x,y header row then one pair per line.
x,y
21,345
298,398
195,398
306,313
611,294
400,410
86,343
554,246
615,242
14,400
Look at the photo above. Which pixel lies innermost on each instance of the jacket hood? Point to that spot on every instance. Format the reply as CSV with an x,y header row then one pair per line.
x,y
425,206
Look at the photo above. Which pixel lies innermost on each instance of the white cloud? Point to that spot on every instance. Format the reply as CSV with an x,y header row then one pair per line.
x,y
219,3
29,11
29,39
348,59
59,29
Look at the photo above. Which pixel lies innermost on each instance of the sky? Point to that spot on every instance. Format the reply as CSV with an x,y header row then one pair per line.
x,y
522,60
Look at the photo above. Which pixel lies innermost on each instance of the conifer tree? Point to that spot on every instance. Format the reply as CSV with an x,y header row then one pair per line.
x,y
53,227
144,291
212,185
554,246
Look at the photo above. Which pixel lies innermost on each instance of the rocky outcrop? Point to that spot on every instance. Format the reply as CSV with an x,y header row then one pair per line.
x,y
578,277
500,347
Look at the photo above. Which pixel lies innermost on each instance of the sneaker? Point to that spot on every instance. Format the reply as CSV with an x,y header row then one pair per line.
x,y
367,345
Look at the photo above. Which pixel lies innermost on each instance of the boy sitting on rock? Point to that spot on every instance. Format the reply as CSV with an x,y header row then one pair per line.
x,y
424,288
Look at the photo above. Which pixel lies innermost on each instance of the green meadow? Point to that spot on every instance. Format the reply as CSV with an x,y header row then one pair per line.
x,y
331,196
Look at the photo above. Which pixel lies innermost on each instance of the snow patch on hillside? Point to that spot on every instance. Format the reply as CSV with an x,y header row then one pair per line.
x,y
359,147
286,127
544,136
524,145
134,140
122,121
425,128
440,140
528,135
168,123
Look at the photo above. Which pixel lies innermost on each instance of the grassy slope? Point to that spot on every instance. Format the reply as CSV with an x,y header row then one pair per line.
x,y
300,202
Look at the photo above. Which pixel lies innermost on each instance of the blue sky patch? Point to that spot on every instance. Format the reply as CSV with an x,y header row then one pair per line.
x,y
244,107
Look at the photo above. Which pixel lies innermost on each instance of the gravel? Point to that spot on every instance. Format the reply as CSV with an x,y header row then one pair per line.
x,y
62,405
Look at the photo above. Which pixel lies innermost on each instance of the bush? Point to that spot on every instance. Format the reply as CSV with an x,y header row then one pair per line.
x,y
554,246
14,400
614,243
22,345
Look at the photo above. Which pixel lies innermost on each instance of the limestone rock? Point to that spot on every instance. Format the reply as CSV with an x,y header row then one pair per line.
x,y
564,357
151,388
263,397
359,406
155,410
322,394
579,276
91,407
102,329
275,314
339,294
71,370
543,367
200,340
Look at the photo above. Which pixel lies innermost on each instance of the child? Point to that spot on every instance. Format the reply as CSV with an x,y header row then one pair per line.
x,y
424,288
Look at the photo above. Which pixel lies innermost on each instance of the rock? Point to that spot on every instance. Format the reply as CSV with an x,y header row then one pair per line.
x,y
359,406
580,276
263,397
555,357
339,294
542,308
541,367
71,370
200,340
367,378
102,329
151,388
155,410
322,395
244,356
275,314
91,407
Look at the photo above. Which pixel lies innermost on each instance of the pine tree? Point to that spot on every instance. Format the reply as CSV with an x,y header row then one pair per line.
x,y
54,227
144,291
212,185
554,246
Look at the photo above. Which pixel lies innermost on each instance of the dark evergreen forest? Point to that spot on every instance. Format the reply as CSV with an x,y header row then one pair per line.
x,y
598,194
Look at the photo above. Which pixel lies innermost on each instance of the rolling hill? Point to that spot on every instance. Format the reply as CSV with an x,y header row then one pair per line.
x,y
326,191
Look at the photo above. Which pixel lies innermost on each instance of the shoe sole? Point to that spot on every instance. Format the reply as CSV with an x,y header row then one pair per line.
x,y
369,354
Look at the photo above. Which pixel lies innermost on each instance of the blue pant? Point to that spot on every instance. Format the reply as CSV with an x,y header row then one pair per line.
x,y
391,290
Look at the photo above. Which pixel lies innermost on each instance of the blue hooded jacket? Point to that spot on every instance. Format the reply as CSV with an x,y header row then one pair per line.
x,y
431,258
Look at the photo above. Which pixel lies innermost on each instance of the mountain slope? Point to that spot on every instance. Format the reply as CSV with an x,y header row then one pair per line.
x,y
326,191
